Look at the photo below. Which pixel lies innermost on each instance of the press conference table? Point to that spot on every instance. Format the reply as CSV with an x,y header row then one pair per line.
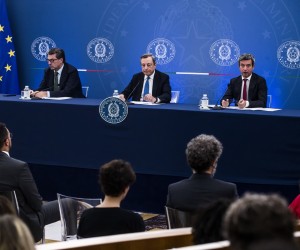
x,y
259,146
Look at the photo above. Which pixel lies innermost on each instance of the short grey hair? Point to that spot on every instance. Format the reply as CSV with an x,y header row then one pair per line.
x,y
202,151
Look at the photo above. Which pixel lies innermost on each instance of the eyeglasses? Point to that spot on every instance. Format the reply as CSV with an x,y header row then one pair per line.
x,y
52,60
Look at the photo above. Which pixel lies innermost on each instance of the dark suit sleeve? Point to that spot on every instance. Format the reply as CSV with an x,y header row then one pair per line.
x,y
258,92
134,88
163,90
45,83
29,189
70,84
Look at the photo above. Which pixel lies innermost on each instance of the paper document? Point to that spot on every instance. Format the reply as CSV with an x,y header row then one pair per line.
x,y
145,103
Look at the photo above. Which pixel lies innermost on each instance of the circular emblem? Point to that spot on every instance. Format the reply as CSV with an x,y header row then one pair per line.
x,y
113,110
224,52
163,50
100,50
288,54
40,47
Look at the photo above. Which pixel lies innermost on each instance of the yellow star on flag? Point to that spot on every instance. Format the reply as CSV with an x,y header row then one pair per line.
x,y
8,67
11,53
1,78
1,28
8,39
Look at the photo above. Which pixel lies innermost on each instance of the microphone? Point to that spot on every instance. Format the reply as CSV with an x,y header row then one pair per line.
x,y
217,107
132,93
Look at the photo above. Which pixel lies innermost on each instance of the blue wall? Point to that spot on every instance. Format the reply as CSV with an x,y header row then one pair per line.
x,y
204,36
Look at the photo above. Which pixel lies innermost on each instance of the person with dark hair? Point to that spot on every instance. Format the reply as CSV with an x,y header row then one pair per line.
x,y
61,79
207,226
201,188
249,90
14,234
108,218
16,175
258,217
149,85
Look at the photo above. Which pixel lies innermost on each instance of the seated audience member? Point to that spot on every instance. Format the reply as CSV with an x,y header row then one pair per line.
x,y
295,206
16,175
258,217
14,234
108,218
6,207
207,226
201,188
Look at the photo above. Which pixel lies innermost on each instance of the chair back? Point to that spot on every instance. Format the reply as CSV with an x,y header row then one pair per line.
x,y
177,218
174,96
269,101
85,90
71,209
11,195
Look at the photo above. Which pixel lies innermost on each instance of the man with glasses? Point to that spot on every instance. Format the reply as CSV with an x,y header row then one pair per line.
x,y
150,85
248,90
60,78
16,175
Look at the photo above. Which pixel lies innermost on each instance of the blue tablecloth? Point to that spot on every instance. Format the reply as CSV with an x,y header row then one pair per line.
x,y
259,146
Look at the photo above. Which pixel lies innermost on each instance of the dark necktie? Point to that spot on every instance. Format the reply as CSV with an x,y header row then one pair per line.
x,y
146,87
56,87
245,90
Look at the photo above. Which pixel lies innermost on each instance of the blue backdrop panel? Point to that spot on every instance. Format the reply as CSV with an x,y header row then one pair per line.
x,y
201,37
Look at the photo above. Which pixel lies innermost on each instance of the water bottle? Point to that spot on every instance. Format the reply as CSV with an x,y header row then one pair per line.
x,y
26,92
116,93
204,102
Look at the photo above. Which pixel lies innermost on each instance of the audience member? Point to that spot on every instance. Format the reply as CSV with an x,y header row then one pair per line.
x,y
61,79
108,218
208,222
14,234
202,154
258,217
16,175
149,85
249,90
6,207
295,206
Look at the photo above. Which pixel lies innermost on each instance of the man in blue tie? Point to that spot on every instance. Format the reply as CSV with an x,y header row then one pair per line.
x,y
149,85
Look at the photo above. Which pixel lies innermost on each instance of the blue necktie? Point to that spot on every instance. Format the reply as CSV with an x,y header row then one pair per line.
x,y
146,87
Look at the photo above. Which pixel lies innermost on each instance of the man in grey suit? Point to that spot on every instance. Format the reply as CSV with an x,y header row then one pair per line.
x,y
16,175
201,188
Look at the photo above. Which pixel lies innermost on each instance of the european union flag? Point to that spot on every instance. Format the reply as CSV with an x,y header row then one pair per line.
x,y
9,83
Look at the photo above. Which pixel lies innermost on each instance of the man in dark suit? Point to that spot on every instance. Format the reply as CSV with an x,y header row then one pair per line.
x,y
149,85
16,175
60,79
248,90
201,188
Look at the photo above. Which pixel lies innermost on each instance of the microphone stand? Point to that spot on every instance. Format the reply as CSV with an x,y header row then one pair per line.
x,y
219,107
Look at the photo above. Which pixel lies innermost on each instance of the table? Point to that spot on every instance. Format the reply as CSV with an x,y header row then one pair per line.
x,y
259,146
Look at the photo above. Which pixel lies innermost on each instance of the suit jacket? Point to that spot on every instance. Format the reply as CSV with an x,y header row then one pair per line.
x,y
199,190
16,175
69,84
161,87
257,93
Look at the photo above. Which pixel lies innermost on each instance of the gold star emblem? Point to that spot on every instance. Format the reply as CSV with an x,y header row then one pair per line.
x,y
1,78
8,67
1,28
11,53
8,39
